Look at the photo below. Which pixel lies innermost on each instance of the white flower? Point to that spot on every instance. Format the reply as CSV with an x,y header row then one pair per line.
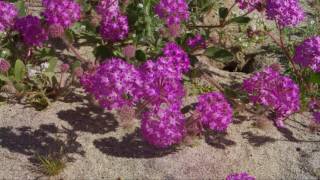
x,y
44,66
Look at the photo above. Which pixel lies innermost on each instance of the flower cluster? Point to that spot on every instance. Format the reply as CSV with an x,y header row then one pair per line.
x,y
4,66
8,13
156,86
177,56
196,41
114,84
163,125
214,110
31,30
284,12
277,92
173,11
114,25
62,12
248,4
240,176
314,107
108,8
307,54
114,28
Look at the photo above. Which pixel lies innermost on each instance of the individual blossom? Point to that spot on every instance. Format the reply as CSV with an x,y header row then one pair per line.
x,y
8,13
287,13
108,8
114,28
31,30
55,30
307,54
248,4
172,11
129,51
240,176
214,111
62,12
275,91
4,66
174,30
64,67
196,41
163,125
114,84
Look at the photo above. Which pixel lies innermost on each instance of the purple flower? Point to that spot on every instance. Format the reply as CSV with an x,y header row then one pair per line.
x,y
64,67
196,41
284,12
163,125
4,66
177,56
129,51
279,93
108,8
8,13
161,82
308,53
248,4
31,30
173,11
114,28
114,84
316,116
62,12
240,176
214,110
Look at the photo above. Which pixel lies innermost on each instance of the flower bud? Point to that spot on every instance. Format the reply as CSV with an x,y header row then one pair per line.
x,y
4,66
64,68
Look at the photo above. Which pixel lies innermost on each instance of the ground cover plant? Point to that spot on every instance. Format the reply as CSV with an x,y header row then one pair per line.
x,y
146,55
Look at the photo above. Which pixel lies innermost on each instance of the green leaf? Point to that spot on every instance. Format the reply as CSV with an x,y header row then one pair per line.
x,y
315,78
52,65
103,52
21,7
69,35
75,65
223,12
240,20
4,78
216,52
140,55
19,70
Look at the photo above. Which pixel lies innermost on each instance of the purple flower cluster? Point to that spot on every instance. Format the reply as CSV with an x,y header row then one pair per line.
x,y
314,107
108,8
248,4
163,125
177,56
308,53
155,85
240,176
62,12
114,84
277,92
31,30
196,41
214,110
8,13
173,11
4,66
114,25
114,28
284,12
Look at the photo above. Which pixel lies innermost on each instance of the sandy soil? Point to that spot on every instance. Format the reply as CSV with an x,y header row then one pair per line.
x,y
98,149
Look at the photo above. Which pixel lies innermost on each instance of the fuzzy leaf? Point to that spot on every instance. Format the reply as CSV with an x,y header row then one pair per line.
x,y
216,52
241,20
52,65
19,70
223,12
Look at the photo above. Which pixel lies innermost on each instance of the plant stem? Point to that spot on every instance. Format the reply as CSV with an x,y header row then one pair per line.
x,y
74,50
